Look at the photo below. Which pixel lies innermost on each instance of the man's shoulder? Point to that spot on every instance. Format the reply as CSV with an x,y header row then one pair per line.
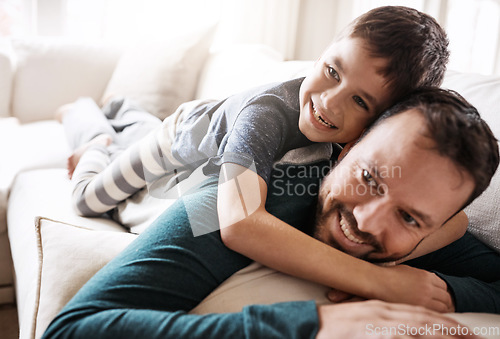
x,y
293,192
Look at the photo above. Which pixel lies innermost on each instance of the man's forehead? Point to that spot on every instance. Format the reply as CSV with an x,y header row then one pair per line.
x,y
398,140
405,125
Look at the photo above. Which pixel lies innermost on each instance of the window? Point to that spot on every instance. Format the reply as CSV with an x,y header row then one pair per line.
x,y
295,28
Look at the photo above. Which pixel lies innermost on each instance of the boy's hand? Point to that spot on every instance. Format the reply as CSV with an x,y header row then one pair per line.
x,y
384,320
409,285
338,296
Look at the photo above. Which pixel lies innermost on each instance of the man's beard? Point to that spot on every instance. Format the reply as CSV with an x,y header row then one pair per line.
x,y
323,234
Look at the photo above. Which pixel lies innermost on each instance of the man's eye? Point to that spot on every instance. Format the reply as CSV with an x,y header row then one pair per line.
x,y
408,219
368,178
333,73
360,102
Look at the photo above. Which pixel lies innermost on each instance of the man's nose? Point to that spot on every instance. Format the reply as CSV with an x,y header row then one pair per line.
x,y
373,216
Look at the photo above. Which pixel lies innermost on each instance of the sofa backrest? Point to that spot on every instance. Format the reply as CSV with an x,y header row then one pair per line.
x,y
483,92
239,67
51,73
38,76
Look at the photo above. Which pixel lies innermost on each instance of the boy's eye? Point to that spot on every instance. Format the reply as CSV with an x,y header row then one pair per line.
x,y
408,219
360,102
333,73
368,178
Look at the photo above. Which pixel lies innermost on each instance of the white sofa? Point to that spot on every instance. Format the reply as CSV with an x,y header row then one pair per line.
x,y
52,250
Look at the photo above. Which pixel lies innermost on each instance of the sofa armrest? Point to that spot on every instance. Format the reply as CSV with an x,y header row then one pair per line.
x,y
6,77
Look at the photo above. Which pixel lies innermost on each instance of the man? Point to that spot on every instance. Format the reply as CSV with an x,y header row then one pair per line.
x,y
446,155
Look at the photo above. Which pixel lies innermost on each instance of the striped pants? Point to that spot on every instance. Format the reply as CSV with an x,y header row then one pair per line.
x,y
140,156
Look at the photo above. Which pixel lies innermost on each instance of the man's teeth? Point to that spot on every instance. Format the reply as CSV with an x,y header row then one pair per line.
x,y
344,226
322,121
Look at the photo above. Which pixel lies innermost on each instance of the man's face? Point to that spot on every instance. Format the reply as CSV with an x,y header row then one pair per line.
x,y
389,192
343,94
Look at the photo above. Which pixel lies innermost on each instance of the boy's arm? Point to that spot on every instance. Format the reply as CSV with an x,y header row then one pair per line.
x,y
247,228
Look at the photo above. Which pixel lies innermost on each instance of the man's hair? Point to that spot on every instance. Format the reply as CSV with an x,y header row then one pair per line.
x,y
457,130
414,44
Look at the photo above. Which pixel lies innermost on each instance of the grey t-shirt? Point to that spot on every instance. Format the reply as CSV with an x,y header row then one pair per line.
x,y
254,127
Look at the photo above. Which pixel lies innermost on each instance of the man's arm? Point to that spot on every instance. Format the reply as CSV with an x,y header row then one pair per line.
x,y
474,295
293,320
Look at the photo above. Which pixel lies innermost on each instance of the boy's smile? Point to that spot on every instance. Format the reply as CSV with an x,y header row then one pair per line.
x,y
343,94
321,118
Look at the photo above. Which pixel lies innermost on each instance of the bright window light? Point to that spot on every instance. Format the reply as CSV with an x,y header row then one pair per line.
x,y
473,26
473,29
132,20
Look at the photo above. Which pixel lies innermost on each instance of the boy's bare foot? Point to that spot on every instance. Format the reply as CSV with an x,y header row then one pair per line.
x,y
74,159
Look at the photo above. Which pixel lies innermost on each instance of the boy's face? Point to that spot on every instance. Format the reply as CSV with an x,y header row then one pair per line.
x,y
343,94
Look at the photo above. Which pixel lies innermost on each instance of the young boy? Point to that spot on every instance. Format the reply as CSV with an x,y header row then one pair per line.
x,y
378,59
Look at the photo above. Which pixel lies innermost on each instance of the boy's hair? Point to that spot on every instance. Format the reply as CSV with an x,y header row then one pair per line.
x,y
457,130
414,44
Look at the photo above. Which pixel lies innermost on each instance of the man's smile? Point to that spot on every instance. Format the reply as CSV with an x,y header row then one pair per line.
x,y
346,229
343,234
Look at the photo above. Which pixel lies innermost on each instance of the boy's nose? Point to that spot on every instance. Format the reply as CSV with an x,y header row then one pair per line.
x,y
333,99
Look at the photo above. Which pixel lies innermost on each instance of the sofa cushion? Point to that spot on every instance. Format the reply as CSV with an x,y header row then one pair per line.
x,y
482,91
43,192
140,210
258,284
161,75
51,73
68,257
223,74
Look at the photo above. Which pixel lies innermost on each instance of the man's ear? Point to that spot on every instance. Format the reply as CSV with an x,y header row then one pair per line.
x,y
346,149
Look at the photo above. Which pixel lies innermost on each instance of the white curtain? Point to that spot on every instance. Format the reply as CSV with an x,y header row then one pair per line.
x,y
473,27
269,22
298,29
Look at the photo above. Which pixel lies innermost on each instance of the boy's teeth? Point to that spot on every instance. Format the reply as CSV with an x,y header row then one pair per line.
x,y
322,121
344,227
